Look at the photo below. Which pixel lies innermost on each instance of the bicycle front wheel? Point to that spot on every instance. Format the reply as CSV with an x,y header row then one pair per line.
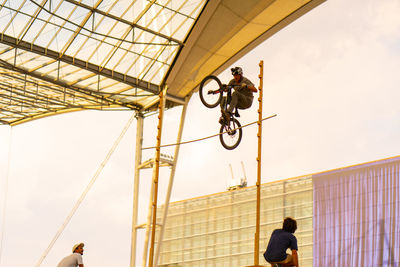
x,y
231,139
208,95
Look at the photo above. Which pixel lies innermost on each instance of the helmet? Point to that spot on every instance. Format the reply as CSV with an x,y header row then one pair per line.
x,y
237,70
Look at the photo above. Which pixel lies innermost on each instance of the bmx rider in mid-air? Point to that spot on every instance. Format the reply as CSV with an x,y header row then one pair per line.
x,y
241,98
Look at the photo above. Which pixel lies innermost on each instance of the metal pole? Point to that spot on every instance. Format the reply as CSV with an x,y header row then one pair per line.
x,y
138,160
257,235
148,225
171,181
156,170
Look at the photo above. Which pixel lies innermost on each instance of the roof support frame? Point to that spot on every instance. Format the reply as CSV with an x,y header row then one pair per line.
x,y
64,92
134,82
44,100
89,93
17,94
3,121
131,81
12,111
23,101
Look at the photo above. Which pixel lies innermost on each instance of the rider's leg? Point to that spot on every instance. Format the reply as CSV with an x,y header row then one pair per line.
x,y
244,102
240,101
223,103
234,101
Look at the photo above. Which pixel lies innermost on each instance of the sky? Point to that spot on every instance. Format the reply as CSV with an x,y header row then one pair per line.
x,y
331,77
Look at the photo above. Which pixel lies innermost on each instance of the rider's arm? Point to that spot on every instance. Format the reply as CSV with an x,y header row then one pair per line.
x,y
250,87
295,258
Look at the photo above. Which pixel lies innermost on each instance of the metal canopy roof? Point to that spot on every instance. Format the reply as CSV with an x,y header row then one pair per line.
x,y
67,55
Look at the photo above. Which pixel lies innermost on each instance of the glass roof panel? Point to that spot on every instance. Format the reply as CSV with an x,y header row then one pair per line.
x,y
28,7
34,30
79,15
106,4
18,24
13,4
42,15
5,18
43,38
50,69
118,30
60,40
90,82
69,49
7,54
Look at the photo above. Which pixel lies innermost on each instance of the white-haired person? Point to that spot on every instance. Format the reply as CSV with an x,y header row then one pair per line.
x,y
75,259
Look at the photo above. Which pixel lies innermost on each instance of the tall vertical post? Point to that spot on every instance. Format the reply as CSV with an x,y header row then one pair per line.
x,y
138,160
257,235
171,181
148,224
156,170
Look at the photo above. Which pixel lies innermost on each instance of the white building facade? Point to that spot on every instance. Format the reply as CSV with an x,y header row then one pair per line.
x,y
218,230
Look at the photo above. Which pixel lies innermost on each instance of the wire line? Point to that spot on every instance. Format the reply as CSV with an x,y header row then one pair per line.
x,y
88,187
204,138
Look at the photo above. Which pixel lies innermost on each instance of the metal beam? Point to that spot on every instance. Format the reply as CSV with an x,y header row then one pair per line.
x,y
70,93
171,182
108,73
138,160
131,81
6,65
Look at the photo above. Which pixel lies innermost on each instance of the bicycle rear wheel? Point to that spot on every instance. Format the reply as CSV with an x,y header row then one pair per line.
x,y
208,85
231,139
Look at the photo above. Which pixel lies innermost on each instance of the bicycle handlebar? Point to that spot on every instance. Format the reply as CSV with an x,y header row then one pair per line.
x,y
213,92
225,88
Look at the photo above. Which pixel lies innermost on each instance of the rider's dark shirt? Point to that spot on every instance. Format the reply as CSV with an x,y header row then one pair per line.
x,y
279,242
243,90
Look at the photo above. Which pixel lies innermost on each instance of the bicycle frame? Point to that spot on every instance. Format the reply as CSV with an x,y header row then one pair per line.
x,y
228,90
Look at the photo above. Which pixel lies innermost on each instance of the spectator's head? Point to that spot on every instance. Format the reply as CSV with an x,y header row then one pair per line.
x,y
78,248
289,225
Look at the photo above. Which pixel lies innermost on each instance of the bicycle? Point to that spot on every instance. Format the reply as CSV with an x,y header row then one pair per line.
x,y
211,94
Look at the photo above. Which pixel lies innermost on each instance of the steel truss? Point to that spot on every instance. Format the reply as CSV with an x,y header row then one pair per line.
x,y
158,161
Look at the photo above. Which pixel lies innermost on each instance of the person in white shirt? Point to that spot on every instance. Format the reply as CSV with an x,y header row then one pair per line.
x,y
75,259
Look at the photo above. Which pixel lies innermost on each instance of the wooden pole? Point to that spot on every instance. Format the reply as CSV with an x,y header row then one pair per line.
x,y
156,174
258,184
260,97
